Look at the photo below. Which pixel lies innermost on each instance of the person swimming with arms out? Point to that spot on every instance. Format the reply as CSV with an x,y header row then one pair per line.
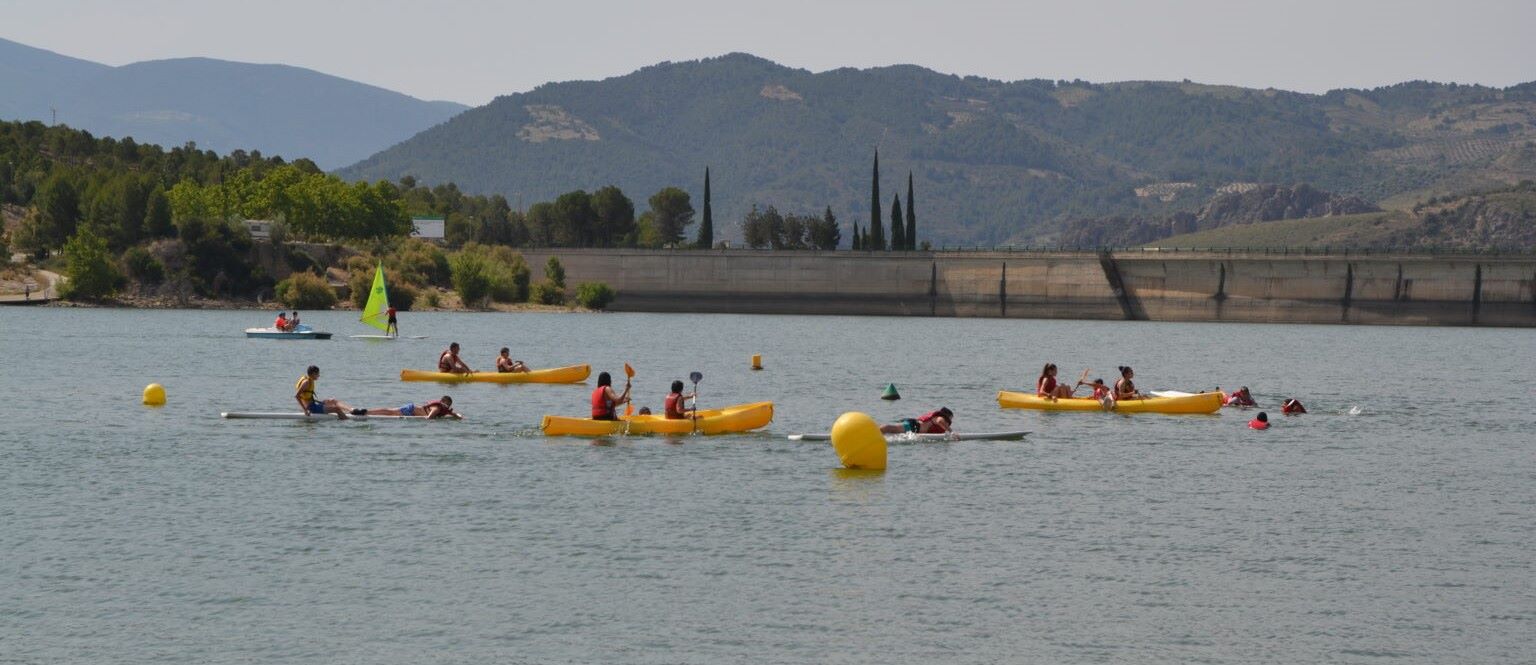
x,y
304,393
505,363
940,421
605,401
435,409
449,362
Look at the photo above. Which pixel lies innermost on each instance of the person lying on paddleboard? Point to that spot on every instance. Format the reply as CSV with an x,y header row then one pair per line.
x,y
438,408
1125,388
449,362
1241,398
1292,407
676,404
1046,386
505,363
304,392
604,400
933,422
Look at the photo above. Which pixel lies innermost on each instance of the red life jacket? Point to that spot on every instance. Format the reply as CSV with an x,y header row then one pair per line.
x,y
426,409
602,407
927,418
1047,385
1258,424
674,407
1293,406
1239,399
281,323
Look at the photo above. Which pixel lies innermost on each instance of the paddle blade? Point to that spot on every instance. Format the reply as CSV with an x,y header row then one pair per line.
x,y
629,371
695,377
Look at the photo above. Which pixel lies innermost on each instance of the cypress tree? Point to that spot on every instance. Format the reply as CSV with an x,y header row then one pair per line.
x,y
911,215
898,234
707,227
876,228
855,240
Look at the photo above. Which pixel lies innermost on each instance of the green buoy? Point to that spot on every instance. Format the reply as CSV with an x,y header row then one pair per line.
x,y
890,392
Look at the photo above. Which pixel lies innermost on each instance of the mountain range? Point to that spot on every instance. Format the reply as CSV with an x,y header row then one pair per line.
x,y
992,161
220,105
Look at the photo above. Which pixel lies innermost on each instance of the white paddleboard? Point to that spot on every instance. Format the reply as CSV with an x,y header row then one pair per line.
x,y
909,436
382,337
276,415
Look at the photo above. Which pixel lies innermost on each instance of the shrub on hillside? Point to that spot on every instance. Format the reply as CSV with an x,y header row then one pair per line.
x,y
471,278
143,267
551,291
594,295
489,272
90,269
305,290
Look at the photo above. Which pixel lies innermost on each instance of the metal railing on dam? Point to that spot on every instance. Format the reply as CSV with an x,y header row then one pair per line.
x,y
1315,285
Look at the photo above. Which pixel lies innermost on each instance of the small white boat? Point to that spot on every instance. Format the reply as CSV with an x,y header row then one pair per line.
x,y
301,332
910,436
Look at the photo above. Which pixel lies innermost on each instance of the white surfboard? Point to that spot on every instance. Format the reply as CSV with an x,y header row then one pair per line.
x,y
278,415
909,436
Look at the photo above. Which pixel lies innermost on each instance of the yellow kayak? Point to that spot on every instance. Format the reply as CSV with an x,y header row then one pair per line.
x,y
738,418
1196,403
572,374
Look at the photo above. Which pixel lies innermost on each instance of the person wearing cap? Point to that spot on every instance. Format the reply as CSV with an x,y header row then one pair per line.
x,y
933,422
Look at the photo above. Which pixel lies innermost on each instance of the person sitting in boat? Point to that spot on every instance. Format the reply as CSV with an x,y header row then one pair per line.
x,y
304,392
393,327
435,409
1241,398
1260,421
450,363
1292,407
676,404
282,322
293,320
644,411
1125,388
1100,391
1047,387
933,422
605,401
505,363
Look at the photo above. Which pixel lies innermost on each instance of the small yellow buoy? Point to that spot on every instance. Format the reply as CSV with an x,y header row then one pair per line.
x,y
757,361
154,395
858,441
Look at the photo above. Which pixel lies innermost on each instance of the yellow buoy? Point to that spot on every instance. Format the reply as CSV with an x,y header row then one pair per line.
x,y
858,441
154,395
757,361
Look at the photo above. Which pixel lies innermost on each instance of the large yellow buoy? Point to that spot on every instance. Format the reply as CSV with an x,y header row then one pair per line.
x,y
858,441
154,395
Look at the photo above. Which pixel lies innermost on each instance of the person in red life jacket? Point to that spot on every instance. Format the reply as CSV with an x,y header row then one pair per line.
x,y
438,408
449,362
1047,387
676,404
605,401
392,328
505,363
1292,407
1259,422
1241,398
1125,388
933,422
282,322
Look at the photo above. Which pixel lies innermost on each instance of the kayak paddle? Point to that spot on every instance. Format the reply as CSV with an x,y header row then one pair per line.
x,y
629,407
695,377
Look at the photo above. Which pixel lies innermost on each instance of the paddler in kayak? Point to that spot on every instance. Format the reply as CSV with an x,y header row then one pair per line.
x,y
505,363
933,422
677,403
1241,398
1047,387
304,392
438,408
1125,388
449,362
605,401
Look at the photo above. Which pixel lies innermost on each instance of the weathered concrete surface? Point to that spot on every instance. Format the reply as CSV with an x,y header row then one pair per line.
x,y
1178,286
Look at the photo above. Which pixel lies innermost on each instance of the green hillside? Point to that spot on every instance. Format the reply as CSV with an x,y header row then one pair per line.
x,y
993,161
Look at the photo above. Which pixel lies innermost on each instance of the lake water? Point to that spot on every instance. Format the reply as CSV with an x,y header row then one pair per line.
x,y
1405,533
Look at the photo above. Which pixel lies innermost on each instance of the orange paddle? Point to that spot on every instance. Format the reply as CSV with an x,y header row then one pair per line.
x,y
629,407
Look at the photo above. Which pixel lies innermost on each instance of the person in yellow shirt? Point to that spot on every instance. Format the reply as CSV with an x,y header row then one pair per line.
x,y
304,392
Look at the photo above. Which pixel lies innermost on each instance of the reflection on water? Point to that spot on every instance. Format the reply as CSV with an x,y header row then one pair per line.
x,y
136,535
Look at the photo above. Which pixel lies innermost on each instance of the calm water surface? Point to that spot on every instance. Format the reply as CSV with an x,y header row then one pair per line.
x,y
1405,533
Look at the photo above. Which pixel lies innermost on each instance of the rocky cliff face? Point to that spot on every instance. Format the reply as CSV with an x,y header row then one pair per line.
x,y
1264,203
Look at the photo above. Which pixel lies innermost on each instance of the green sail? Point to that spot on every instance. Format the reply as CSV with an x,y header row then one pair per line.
x,y
378,301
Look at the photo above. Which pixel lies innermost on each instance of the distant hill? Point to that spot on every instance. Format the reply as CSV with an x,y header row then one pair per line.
x,y
1238,205
220,105
994,161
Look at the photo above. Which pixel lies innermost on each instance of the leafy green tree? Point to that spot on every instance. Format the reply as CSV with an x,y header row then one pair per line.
x,y
471,278
575,221
646,234
551,291
875,235
673,213
88,265
541,221
707,227
754,229
594,295
305,290
911,234
614,215
157,214
898,231
58,210
824,233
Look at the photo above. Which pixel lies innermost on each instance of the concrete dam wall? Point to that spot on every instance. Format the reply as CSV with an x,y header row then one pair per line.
x,y
1407,289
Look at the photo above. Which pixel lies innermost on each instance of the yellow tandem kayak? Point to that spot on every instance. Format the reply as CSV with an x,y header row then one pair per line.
x,y
1196,403
738,418
572,374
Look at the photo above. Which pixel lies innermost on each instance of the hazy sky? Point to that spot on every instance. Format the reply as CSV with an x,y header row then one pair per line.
x,y
474,50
